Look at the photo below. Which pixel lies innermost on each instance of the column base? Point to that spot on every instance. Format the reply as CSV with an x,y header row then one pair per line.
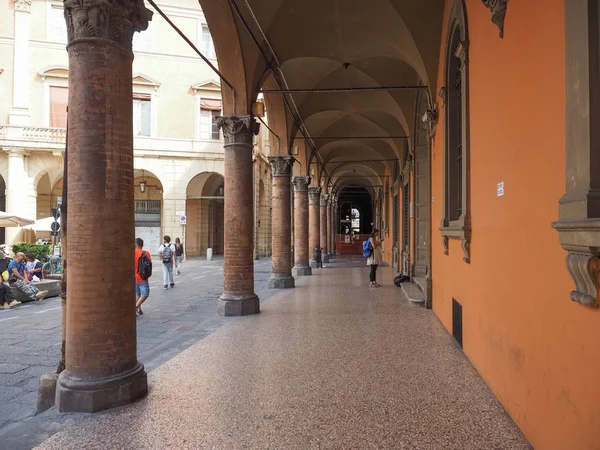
x,y
325,258
278,281
75,394
315,264
231,305
301,271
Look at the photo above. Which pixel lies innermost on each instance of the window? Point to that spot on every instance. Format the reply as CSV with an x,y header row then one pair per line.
x,y
208,48
59,98
56,26
143,41
456,222
210,108
142,114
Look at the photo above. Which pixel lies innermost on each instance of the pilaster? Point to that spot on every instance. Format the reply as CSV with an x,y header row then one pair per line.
x,y
19,112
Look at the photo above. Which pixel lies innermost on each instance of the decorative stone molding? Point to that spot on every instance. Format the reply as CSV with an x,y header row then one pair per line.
x,y
112,20
314,193
238,129
324,199
300,184
282,165
578,224
443,94
431,118
498,9
23,5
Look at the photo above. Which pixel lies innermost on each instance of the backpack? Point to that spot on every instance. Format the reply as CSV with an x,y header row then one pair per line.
x,y
367,249
144,266
167,253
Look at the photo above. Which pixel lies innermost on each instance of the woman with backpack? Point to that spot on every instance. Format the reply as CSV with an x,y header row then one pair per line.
x,y
375,258
178,255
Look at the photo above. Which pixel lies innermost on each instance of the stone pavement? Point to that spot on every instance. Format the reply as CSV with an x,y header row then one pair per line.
x,y
30,336
329,364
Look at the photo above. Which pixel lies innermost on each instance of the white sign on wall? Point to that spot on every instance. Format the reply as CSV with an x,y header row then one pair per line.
x,y
180,213
501,189
182,220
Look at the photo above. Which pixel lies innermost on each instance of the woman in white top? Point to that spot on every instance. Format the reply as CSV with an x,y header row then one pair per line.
x,y
376,257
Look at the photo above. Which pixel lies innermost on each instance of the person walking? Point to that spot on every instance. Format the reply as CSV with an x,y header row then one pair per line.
x,y
142,288
179,252
376,257
167,254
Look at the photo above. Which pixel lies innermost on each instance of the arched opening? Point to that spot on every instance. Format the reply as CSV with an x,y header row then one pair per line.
x,y
205,214
148,196
48,196
263,223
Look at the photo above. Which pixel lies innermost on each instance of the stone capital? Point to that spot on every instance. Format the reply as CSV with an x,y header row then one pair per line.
x,y
314,193
238,129
111,20
15,151
23,5
324,200
300,184
281,165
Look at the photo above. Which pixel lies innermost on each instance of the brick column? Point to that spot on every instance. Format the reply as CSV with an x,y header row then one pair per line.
x,y
281,266
329,228
102,370
238,298
334,228
323,236
301,247
314,222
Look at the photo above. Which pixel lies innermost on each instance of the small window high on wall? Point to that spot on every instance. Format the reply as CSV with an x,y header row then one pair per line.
x,y
59,98
142,114
208,48
210,108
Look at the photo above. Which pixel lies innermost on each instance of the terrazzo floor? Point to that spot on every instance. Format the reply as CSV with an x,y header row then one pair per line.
x,y
331,364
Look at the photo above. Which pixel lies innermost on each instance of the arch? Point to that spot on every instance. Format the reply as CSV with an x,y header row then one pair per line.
x,y
205,214
148,208
263,222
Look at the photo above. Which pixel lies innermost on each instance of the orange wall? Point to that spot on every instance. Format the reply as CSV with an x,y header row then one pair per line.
x,y
538,350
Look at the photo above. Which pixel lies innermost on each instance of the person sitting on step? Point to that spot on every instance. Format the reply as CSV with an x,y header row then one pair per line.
x,y
18,278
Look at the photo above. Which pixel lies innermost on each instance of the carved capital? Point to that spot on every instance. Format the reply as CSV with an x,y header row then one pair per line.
x,y
585,271
300,184
281,165
238,129
112,20
324,200
498,9
314,193
23,5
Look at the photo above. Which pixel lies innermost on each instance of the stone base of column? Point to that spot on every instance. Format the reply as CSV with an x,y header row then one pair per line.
x,y
74,394
325,258
300,271
277,281
231,305
314,264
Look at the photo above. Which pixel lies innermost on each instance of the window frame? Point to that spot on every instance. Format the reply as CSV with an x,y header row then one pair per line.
x,y
201,26
144,85
51,80
452,227
152,32
209,90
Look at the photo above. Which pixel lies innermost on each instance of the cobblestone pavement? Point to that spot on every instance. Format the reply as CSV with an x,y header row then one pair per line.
x,y
173,320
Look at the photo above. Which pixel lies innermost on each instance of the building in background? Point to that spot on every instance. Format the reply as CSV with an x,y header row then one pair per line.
x,y
178,148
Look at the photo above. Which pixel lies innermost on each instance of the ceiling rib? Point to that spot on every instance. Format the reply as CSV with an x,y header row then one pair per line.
x,y
345,89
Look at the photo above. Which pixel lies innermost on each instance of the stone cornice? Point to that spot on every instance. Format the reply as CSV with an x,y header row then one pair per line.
x,y
112,20
238,129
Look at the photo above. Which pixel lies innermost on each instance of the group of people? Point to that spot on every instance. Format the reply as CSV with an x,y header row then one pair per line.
x,y
23,272
171,255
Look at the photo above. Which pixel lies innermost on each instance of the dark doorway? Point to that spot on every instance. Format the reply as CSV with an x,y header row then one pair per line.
x,y
356,210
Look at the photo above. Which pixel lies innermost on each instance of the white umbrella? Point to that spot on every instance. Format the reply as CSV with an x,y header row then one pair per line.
x,y
10,220
43,224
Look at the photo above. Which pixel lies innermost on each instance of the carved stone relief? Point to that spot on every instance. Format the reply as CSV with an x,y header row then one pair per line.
x,y
314,193
113,20
281,165
300,184
238,129
498,9
23,5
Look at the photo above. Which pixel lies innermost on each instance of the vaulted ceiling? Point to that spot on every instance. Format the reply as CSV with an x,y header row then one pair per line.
x,y
333,44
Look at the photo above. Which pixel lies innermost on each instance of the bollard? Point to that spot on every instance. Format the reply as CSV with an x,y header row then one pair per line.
x,y
209,254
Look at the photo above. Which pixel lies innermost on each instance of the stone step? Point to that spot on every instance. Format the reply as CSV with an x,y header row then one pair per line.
x,y
413,292
52,286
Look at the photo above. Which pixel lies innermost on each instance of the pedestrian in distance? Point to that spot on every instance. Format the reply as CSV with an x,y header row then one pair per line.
x,y
143,271
179,254
376,257
167,254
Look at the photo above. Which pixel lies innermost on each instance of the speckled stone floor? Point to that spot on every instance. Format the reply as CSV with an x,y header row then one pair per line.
x,y
331,364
